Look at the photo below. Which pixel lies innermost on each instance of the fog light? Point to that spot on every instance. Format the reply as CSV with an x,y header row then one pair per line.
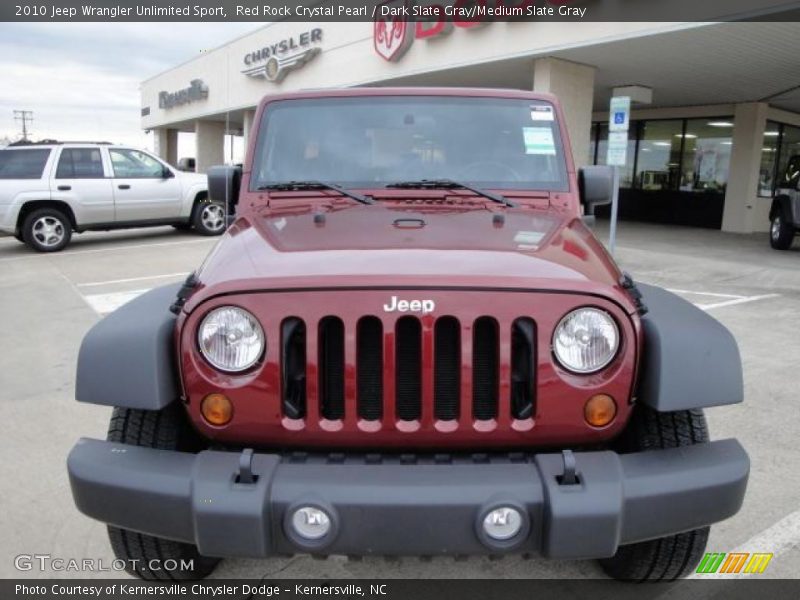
x,y
600,410
311,523
216,409
502,523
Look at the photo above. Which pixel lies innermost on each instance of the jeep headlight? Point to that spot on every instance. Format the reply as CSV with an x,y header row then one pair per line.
x,y
586,340
231,339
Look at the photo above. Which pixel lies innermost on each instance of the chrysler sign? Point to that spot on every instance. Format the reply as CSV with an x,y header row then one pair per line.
x,y
278,59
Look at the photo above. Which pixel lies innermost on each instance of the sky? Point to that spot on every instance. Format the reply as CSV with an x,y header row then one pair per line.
x,y
81,80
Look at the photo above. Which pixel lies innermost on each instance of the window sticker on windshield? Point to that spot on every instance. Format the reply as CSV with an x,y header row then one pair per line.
x,y
528,239
541,113
539,140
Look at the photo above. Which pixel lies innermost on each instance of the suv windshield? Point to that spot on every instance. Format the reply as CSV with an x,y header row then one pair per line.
x,y
371,141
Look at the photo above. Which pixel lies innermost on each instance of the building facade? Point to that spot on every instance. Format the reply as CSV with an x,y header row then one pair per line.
x,y
717,116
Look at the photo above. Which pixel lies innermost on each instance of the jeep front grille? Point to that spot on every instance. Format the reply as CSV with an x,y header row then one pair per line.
x,y
386,363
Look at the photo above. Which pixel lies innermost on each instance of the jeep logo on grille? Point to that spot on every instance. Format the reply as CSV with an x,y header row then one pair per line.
x,y
423,306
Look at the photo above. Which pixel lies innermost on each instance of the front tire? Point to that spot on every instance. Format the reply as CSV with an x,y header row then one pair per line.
x,y
209,217
145,555
47,230
781,232
675,556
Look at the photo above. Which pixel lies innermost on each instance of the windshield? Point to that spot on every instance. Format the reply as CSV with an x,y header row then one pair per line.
x,y
374,141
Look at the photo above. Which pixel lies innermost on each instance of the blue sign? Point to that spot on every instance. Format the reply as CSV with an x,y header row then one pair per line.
x,y
619,118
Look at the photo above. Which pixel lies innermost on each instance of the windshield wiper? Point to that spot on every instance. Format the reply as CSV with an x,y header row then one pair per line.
x,y
450,184
291,186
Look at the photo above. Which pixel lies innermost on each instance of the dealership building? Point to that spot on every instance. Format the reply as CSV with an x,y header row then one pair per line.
x,y
715,115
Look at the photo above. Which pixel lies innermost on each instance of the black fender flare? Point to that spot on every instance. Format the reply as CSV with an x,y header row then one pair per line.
x,y
689,359
781,203
128,358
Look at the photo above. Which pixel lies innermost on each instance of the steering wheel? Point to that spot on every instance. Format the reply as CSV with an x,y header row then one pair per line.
x,y
481,167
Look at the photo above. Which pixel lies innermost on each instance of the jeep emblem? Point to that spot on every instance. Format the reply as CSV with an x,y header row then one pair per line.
x,y
423,306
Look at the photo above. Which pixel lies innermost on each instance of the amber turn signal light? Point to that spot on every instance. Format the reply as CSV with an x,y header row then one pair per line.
x,y
216,409
600,410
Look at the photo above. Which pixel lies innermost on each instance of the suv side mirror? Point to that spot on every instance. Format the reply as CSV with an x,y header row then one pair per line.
x,y
224,183
596,187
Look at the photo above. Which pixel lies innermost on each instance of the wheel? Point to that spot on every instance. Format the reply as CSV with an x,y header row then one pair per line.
x,y
671,557
145,555
209,218
781,232
19,238
46,230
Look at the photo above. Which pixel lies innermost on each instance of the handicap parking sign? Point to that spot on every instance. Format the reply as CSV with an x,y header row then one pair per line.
x,y
619,113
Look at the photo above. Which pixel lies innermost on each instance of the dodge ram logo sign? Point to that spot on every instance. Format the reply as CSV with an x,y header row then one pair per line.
x,y
420,306
392,35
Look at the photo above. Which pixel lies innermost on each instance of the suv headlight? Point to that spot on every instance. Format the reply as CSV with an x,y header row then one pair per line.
x,y
231,339
586,340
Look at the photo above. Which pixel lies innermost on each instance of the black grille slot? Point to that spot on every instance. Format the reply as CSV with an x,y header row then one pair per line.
x,y
523,369
293,367
485,349
408,368
331,367
369,369
447,368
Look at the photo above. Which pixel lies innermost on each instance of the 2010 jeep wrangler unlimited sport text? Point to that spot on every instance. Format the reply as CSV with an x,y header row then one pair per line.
x,y
408,342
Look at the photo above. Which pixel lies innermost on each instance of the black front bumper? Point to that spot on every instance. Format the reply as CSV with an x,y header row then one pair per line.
x,y
381,506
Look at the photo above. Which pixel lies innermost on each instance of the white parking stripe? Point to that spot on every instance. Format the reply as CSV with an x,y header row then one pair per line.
x,y
130,280
744,300
106,303
69,253
713,295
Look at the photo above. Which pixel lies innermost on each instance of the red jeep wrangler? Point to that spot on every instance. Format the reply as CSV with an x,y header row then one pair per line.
x,y
409,342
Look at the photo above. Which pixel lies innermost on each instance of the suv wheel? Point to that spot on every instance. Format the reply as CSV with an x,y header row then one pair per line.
x,y
145,555
667,558
46,230
209,218
781,232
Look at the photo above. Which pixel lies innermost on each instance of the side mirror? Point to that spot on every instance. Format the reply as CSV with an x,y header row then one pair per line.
x,y
224,183
596,187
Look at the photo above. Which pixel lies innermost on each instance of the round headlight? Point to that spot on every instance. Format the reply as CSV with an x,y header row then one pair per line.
x,y
586,340
231,339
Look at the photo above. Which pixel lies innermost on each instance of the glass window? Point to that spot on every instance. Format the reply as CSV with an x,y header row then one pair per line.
x,y
23,164
769,154
499,143
80,163
135,164
658,161
626,172
789,149
706,155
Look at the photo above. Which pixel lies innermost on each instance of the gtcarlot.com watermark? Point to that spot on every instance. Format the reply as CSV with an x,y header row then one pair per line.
x,y
48,562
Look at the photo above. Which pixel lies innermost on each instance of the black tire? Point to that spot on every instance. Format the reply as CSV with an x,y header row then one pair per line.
x,y
146,555
781,231
35,232
675,556
19,238
202,220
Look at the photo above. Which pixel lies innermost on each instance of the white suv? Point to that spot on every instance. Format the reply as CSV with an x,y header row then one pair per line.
x,y
49,190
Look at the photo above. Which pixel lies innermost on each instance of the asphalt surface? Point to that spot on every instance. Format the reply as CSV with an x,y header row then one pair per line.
x,y
48,302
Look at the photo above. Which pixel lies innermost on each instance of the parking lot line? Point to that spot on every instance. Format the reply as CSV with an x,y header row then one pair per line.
x,y
67,254
106,303
743,300
130,280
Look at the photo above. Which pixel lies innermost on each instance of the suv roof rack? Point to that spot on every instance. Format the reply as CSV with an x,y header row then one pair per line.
x,y
53,143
